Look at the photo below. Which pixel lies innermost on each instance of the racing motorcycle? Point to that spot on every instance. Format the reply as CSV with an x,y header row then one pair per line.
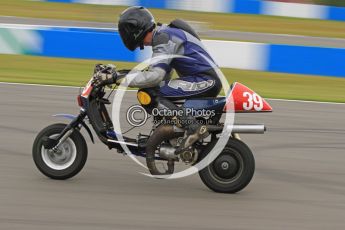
x,y
60,150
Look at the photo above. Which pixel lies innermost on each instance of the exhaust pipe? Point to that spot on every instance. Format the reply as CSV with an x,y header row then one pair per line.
x,y
161,133
254,129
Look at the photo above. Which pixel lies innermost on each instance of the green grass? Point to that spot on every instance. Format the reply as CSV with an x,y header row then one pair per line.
x,y
253,23
74,72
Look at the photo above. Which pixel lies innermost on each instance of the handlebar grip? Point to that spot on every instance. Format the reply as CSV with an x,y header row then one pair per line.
x,y
109,81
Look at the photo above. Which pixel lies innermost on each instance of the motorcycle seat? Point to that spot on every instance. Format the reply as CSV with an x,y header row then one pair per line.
x,y
208,103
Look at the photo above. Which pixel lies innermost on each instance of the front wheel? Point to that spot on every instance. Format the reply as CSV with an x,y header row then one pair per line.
x,y
67,160
232,170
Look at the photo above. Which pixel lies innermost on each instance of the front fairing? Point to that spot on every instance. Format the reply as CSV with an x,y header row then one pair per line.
x,y
95,109
86,93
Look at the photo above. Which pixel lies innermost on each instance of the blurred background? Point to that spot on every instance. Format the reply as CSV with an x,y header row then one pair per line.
x,y
321,2
292,49
280,49
331,2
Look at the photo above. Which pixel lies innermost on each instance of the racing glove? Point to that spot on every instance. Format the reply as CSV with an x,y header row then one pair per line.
x,y
104,72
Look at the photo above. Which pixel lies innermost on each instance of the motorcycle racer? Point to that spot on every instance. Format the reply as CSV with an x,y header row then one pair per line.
x,y
175,47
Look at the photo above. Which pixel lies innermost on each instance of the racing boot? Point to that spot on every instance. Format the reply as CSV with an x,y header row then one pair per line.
x,y
193,134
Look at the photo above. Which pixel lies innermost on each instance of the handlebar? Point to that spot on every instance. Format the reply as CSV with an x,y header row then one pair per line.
x,y
108,81
115,76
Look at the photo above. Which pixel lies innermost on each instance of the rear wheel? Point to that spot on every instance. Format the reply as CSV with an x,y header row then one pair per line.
x,y
65,162
232,170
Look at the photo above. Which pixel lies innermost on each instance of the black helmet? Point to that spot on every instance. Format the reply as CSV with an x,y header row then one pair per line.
x,y
134,23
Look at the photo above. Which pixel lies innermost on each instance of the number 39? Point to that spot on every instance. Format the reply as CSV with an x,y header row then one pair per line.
x,y
253,101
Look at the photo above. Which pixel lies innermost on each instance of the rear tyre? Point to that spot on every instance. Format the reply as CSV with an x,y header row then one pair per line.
x,y
232,170
64,163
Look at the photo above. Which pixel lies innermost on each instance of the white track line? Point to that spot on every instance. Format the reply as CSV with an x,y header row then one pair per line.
x,y
75,87
39,85
29,26
304,101
44,85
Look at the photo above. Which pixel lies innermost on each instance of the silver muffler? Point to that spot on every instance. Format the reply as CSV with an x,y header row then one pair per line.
x,y
254,128
238,128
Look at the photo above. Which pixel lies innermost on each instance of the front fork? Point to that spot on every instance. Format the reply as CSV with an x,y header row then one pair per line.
x,y
76,123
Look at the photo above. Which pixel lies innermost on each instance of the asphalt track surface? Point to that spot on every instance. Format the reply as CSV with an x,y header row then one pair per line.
x,y
298,184
202,29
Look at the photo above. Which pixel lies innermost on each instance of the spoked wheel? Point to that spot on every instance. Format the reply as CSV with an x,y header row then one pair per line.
x,y
64,162
232,170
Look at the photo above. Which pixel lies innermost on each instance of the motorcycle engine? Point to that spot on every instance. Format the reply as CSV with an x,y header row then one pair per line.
x,y
189,156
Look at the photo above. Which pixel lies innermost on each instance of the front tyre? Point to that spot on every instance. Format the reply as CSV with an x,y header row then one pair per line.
x,y
64,163
232,170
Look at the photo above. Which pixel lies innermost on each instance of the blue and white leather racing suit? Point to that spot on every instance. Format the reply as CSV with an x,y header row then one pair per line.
x,y
176,49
